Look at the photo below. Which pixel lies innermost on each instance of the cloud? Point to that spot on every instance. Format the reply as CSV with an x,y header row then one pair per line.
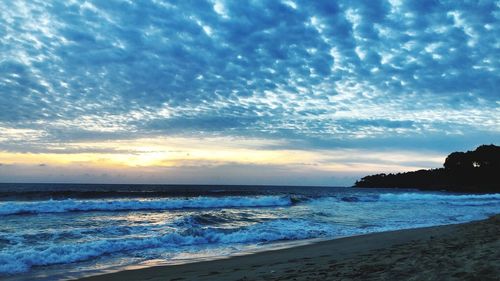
x,y
318,73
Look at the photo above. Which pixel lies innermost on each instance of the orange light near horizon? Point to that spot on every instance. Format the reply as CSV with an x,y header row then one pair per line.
x,y
178,152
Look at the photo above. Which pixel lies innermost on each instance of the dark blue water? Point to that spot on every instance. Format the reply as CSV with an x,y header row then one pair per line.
x,y
61,231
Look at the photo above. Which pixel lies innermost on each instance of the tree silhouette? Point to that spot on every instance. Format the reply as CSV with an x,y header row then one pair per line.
x,y
471,171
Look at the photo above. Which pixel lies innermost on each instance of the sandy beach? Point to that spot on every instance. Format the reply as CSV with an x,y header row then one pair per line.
x,y
468,251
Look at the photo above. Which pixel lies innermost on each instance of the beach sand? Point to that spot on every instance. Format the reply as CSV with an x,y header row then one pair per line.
x,y
469,251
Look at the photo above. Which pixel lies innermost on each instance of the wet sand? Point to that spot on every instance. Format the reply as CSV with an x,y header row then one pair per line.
x,y
468,251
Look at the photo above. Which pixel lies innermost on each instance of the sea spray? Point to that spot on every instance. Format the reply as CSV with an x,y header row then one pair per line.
x,y
40,237
71,205
21,260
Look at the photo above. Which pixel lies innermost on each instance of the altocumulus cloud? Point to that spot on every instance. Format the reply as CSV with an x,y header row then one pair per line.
x,y
318,73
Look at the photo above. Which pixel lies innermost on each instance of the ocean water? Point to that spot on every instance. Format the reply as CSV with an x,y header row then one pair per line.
x,y
59,232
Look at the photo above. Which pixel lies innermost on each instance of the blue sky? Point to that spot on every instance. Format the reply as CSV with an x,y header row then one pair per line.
x,y
266,92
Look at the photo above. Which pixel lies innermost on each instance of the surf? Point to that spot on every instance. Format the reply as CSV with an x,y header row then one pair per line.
x,y
72,205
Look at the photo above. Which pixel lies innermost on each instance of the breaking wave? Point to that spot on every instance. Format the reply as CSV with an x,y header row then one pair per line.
x,y
436,197
473,199
71,205
21,260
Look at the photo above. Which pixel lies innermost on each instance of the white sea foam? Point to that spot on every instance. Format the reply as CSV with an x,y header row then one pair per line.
x,y
21,260
71,205
436,197
207,223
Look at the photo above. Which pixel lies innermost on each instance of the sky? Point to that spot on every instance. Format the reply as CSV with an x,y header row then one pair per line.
x,y
243,92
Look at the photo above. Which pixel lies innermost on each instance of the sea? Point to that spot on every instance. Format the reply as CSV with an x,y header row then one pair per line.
x,y
68,231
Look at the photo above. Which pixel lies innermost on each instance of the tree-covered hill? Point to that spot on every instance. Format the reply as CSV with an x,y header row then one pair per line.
x,y
471,171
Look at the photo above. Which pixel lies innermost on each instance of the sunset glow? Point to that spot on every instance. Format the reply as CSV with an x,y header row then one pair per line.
x,y
289,92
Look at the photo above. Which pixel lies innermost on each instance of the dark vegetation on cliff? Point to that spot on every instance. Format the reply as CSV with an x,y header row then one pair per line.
x,y
471,171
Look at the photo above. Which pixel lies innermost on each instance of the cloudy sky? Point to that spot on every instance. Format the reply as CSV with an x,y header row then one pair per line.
x,y
243,92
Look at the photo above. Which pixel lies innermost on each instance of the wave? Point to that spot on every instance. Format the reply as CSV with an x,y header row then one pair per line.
x,y
71,205
483,203
405,197
209,219
102,194
436,197
21,260
199,219
29,236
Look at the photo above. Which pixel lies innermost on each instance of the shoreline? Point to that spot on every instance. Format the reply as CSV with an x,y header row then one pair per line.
x,y
454,252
